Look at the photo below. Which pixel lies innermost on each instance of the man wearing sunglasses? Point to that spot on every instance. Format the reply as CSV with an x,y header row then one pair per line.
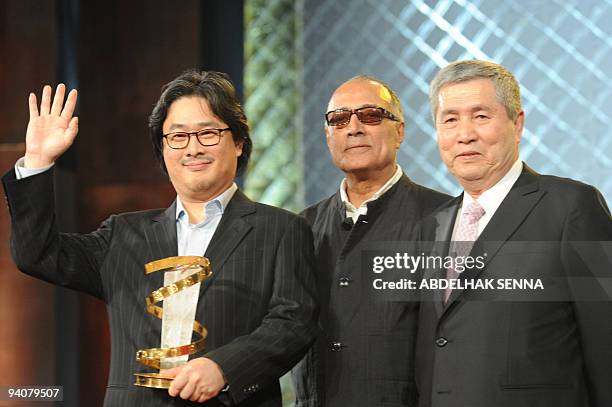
x,y
364,354
258,307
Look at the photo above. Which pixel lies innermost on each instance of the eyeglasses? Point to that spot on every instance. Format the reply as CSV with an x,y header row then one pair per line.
x,y
366,115
206,137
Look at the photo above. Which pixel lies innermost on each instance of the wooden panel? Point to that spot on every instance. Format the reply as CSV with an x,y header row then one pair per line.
x,y
128,51
27,60
27,306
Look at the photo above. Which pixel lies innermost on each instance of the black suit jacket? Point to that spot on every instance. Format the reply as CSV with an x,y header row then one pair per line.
x,y
546,348
364,355
259,305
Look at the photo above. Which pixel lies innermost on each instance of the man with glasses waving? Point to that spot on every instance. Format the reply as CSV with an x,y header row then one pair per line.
x,y
259,305
364,353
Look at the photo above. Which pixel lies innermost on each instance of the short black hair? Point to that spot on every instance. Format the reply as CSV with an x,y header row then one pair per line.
x,y
218,90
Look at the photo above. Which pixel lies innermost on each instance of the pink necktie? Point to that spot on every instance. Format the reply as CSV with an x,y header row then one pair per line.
x,y
467,233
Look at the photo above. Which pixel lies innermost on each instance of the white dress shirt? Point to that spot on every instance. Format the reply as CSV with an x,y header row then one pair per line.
x,y
354,213
492,198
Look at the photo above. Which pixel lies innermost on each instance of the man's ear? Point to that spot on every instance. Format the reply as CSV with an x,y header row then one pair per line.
x,y
518,126
400,135
238,144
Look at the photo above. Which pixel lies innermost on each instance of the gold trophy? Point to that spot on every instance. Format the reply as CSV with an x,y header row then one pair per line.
x,y
152,357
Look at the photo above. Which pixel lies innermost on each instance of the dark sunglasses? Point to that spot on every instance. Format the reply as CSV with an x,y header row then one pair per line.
x,y
366,115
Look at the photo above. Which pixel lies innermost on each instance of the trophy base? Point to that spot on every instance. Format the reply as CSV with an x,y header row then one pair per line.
x,y
153,380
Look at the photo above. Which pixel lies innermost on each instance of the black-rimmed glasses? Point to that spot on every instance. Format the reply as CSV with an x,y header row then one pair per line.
x,y
206,137
366,115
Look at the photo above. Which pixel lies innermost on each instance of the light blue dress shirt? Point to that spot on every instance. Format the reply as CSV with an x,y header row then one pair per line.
x,y
193,239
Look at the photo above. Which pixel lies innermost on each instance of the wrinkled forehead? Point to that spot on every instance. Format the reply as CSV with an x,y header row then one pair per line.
x,y
359,93
467,96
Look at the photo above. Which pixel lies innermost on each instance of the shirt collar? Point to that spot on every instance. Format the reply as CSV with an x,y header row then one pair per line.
x,y
220,202
493,197
350,208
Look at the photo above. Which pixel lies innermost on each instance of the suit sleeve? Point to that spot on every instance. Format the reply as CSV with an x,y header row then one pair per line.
x,y
260,358
587,258
67,260
306,374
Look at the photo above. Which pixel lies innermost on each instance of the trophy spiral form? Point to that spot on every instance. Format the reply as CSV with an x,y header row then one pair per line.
x,y
152,357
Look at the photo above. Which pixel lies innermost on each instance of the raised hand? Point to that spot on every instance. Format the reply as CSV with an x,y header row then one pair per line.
x,y
52,130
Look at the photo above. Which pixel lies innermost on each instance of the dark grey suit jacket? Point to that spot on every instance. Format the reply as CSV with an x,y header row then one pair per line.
x,y
259,307
546,348
364,355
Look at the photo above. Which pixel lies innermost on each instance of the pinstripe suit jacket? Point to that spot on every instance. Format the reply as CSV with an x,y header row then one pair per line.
x,y
259,307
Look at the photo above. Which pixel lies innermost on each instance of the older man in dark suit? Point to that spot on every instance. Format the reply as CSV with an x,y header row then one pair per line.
x,y
546,345
258,306
364,355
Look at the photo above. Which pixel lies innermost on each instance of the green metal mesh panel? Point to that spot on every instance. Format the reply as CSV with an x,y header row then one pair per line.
x,y
273,99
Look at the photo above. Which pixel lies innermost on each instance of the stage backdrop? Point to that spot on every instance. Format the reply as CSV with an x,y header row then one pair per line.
x,y
560,51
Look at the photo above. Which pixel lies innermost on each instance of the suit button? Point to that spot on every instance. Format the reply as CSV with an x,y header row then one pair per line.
x,y
336,346
441,342
344,281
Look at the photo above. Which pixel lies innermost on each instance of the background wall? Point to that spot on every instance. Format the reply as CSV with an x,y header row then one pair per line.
x,y
560,51
287,57
118,55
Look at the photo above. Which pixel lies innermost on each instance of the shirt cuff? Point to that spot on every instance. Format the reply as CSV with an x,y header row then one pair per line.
x,y
23,172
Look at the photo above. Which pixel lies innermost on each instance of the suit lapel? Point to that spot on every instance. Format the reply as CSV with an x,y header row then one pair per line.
x,y
515,207
161,236
162,241
445,222
232,228
521,200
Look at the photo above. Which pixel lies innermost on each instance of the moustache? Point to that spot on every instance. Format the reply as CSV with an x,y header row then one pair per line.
x,y
207,159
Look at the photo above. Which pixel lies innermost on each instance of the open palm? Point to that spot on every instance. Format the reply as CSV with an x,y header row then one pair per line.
x,y
51,130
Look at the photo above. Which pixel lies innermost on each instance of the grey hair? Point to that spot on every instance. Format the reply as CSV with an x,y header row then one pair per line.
x,y
395,100
507,89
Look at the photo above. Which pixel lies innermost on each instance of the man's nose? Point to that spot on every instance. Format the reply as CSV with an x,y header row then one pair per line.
x,y
193,146
466,131
354,126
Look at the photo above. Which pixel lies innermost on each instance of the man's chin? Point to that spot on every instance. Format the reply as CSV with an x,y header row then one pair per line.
x,y
356,165
198,186
469,176
355,169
